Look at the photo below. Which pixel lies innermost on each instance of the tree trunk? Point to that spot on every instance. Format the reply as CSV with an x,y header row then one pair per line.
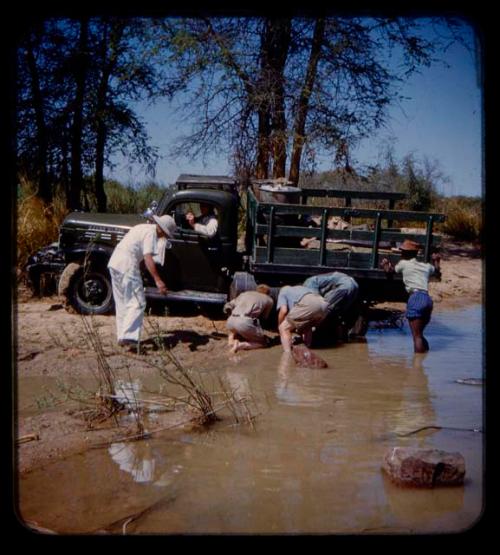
x,y
44,185
108,60
303,106
262,167
74,200
280,35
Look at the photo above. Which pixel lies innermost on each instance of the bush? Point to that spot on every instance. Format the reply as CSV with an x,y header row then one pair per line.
x,y
463,218
37,225
128,200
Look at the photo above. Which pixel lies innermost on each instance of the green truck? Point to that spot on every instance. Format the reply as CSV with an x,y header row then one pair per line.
x,y
289,234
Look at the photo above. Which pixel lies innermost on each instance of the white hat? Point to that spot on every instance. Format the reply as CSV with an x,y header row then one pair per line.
x,y
167,223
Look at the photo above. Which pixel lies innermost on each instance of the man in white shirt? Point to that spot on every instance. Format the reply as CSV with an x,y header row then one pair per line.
x,y
206,224
142,242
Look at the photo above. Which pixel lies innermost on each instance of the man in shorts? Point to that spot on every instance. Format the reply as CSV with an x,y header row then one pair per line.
x,y
245,331
299,309
416,276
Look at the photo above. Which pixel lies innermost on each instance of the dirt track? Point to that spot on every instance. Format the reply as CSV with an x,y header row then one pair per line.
x,y
52,346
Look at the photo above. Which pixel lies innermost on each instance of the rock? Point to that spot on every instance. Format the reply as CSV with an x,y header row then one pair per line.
x,y
425,468
306,358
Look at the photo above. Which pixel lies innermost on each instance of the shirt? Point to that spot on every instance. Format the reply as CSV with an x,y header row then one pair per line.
x,y
323,283
130,251
415,274
290,295
207,225
252,304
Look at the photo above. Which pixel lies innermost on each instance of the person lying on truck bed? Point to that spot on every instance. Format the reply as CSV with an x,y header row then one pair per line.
x,y
206,224
243,322
299,309
338,289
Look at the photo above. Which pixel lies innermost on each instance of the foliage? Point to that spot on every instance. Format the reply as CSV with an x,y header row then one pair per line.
x,y
276,85
464,220
37,223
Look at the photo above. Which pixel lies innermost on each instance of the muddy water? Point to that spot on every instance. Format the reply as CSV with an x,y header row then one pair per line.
x,y
312,465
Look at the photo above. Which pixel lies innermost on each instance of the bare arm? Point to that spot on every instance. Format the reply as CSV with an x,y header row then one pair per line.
x,y
151,267
282,314
436,262
387,265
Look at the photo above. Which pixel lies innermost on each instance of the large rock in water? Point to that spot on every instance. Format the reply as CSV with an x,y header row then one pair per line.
x,y
424,468
306,358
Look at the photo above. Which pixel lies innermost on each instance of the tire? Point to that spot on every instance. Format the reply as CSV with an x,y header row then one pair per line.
x,y
90,291
242,281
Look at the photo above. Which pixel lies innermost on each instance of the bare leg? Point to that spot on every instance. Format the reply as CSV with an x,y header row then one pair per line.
x,y
285,330
417,325
231,338
248,345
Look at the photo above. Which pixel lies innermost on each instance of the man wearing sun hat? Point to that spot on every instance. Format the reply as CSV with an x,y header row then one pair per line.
x,y
144,242
416,276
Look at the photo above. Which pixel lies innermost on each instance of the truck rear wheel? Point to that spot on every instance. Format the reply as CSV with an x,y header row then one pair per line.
x,y
242,281
88,290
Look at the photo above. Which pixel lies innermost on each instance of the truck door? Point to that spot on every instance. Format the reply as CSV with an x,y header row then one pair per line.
x,y
193,261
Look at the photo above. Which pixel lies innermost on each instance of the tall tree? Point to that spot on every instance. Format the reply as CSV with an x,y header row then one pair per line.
x,y
111,35
299,128
315,85
44,187
80,69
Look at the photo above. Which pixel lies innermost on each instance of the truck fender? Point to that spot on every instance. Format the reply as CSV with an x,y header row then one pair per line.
x,y
65,280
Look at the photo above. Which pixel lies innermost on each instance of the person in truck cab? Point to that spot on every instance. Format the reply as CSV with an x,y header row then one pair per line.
x,y
206,224
299,309
144,242
245,331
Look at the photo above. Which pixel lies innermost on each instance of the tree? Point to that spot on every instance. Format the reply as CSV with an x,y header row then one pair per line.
x,y
77,80
291,85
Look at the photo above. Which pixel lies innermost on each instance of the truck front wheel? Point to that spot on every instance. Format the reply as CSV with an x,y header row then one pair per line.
x,y
88,290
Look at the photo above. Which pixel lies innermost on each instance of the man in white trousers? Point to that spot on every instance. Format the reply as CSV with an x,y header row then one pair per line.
x,y
142,242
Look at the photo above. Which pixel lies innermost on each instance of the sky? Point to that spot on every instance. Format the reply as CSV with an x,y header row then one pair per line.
x,y
441,121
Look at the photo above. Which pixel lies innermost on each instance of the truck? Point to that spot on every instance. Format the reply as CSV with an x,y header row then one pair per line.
x,y
280,235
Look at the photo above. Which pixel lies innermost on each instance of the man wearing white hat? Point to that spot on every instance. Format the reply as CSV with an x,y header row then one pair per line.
x,y
143,242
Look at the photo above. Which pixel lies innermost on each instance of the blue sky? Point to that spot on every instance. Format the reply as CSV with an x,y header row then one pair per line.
x,y
441,121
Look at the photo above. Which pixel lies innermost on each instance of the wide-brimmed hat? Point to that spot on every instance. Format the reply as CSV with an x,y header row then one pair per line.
x,y
167,223
408,245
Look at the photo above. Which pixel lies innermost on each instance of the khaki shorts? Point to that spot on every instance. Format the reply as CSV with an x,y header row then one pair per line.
x,y
248,328
309,311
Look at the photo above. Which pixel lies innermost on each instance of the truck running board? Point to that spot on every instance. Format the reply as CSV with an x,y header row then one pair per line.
x,y
187,295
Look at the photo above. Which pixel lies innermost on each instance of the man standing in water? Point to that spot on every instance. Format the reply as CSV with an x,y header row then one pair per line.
x,y
416,276
141,243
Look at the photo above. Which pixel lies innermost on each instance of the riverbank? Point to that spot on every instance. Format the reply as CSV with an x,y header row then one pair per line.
x,y
55,362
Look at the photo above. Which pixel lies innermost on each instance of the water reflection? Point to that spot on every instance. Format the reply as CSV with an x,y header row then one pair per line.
x,y
294,385
139,460
417,506
415,410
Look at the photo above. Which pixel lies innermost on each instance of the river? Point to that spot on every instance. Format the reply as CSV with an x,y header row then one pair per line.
x,y
312,465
